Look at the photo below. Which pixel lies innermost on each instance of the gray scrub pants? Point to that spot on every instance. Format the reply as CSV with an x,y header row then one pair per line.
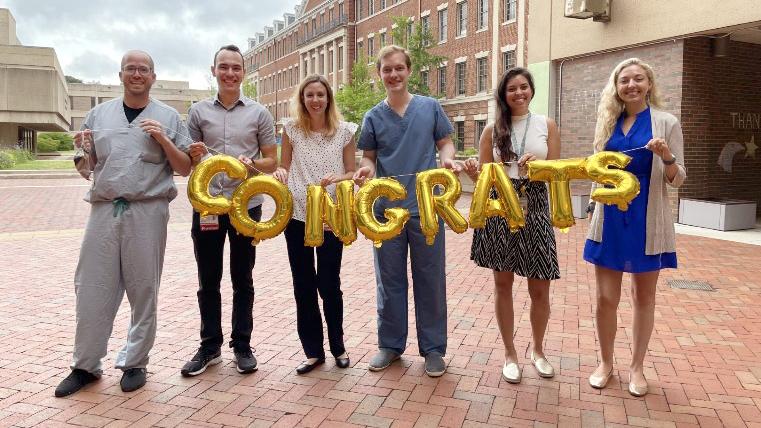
x,y
120,252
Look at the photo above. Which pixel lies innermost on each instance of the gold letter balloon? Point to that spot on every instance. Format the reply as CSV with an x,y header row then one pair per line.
x,y
506,205
430,204
198,183
339,215
364,201
244,224
559,173
625,184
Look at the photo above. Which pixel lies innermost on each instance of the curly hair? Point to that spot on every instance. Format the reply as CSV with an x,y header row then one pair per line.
x,y
611,106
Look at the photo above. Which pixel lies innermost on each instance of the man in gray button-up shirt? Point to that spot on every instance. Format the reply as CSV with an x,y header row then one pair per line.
x,y
233,124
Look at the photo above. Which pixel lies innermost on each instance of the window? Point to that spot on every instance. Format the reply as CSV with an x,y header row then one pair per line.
x,y
340,10
508,60
460,70
480,126
483,13
462,18
509,10
443,81
425,24
459,133
370,47
424,78
482,74
330,61
360,45
314,25
409,30
370,7
382,4
359,10
340,57
382,39
442,25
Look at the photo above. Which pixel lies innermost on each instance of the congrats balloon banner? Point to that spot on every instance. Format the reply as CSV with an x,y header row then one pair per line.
x,y
351,211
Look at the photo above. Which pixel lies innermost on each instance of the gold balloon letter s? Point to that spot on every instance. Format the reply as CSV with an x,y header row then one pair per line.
x,y
625,184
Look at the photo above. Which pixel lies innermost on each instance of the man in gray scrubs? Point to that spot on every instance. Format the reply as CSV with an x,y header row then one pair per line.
x,y
133,145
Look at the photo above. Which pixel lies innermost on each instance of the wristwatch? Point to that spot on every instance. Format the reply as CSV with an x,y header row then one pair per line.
x,y
669,162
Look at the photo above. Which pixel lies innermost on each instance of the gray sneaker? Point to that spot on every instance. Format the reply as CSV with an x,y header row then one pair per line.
x,y
434,364
382,359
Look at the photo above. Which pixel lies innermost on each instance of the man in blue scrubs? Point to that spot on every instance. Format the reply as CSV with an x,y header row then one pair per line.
x,y
400,136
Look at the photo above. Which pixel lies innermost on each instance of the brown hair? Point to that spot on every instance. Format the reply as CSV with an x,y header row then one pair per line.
x,y
390,50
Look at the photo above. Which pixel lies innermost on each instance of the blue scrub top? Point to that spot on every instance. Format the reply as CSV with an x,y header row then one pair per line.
x,y
404,144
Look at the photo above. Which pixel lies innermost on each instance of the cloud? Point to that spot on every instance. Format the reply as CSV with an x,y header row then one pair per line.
x,y
90,37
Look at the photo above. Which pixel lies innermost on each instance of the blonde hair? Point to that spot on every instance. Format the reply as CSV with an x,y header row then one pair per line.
x,y
390,50
611,106
299,110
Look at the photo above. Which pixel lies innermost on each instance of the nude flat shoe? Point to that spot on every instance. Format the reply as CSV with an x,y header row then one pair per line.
x,y
599,382
542,366
512,372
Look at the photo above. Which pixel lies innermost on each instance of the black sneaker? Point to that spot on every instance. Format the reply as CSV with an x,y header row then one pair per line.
x,y
75,381
200,361
245,360
133,379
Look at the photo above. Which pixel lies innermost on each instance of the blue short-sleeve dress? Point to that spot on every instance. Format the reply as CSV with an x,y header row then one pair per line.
x,y
622,247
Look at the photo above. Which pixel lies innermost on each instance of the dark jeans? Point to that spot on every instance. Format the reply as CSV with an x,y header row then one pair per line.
x,y
209,246
307,283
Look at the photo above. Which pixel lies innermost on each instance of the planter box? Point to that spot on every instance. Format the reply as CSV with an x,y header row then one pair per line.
x,y
717,213
579,204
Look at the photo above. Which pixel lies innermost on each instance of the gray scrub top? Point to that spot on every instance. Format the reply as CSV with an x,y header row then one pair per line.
x,y
404,144
131,164
241,130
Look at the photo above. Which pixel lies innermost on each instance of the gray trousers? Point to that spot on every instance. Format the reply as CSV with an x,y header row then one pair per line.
x,y
120,252
429,287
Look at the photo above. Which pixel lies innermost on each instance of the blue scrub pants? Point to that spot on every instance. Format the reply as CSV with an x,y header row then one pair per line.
x,y
428,287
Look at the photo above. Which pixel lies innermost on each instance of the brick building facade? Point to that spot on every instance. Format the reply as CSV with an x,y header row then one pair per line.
x,y
478,38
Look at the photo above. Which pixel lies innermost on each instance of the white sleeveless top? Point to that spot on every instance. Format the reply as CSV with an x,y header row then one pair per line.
x,y
314,156
536,140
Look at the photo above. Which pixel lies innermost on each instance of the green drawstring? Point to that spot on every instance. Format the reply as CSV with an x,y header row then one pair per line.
x,y
120,205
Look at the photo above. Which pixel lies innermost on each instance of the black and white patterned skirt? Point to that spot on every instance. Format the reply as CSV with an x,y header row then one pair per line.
x,y
530,252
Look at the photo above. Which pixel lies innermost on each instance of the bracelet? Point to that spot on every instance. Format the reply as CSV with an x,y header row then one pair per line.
x,y
669,162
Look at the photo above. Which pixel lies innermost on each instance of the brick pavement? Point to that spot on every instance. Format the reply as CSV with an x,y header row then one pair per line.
x,y
704,363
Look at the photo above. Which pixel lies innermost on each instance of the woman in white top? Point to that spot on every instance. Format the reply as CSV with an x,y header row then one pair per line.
x,y
317,148
519,136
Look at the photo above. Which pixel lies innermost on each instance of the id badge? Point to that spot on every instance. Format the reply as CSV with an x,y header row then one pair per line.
x,y
524,202
209,222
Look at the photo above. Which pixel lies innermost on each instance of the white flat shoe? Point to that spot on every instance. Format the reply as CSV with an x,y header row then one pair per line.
x,y
599,382
542,366
511,372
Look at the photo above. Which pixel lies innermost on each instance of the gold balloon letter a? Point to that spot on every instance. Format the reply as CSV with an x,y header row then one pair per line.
x,y
397,217
506,205
244,224
559,173
625,184
339,215
443,205
198,184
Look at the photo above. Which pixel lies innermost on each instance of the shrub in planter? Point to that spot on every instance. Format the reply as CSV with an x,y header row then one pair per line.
x,y
7,160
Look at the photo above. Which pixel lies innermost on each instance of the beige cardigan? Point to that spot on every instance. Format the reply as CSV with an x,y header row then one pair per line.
x,y
660,223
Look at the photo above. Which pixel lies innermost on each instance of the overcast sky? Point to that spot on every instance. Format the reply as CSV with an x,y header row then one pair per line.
x,y
90,36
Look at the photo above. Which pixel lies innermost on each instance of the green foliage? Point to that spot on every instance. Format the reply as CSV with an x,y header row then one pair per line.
x,y
470,151
54,142
249,89
22,155
7,160
72,79
417,41
360,95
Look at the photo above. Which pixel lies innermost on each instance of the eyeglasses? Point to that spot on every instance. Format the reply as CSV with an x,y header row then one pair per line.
x,y
131,69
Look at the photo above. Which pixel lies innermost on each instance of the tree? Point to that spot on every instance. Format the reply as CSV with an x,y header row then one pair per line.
x,y
249,89
72,79
360,95
416,40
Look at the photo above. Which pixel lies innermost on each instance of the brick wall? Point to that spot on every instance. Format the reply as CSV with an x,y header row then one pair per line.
x,y
714,88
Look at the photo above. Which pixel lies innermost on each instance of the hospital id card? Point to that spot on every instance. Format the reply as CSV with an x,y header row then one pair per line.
x,y
209,222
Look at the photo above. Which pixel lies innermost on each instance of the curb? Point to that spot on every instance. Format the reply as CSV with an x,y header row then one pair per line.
x,y
28,174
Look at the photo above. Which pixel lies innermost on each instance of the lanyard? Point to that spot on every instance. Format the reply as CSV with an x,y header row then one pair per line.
x,y
514,141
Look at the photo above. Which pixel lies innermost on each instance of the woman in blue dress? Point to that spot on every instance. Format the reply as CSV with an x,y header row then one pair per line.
x,y
639,240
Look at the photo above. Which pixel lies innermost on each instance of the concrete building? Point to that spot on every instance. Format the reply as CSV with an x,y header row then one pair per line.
x,y
177,94
707,60
479,38
33,92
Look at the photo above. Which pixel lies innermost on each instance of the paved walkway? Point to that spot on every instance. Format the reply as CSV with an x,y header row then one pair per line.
x,y
704,363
